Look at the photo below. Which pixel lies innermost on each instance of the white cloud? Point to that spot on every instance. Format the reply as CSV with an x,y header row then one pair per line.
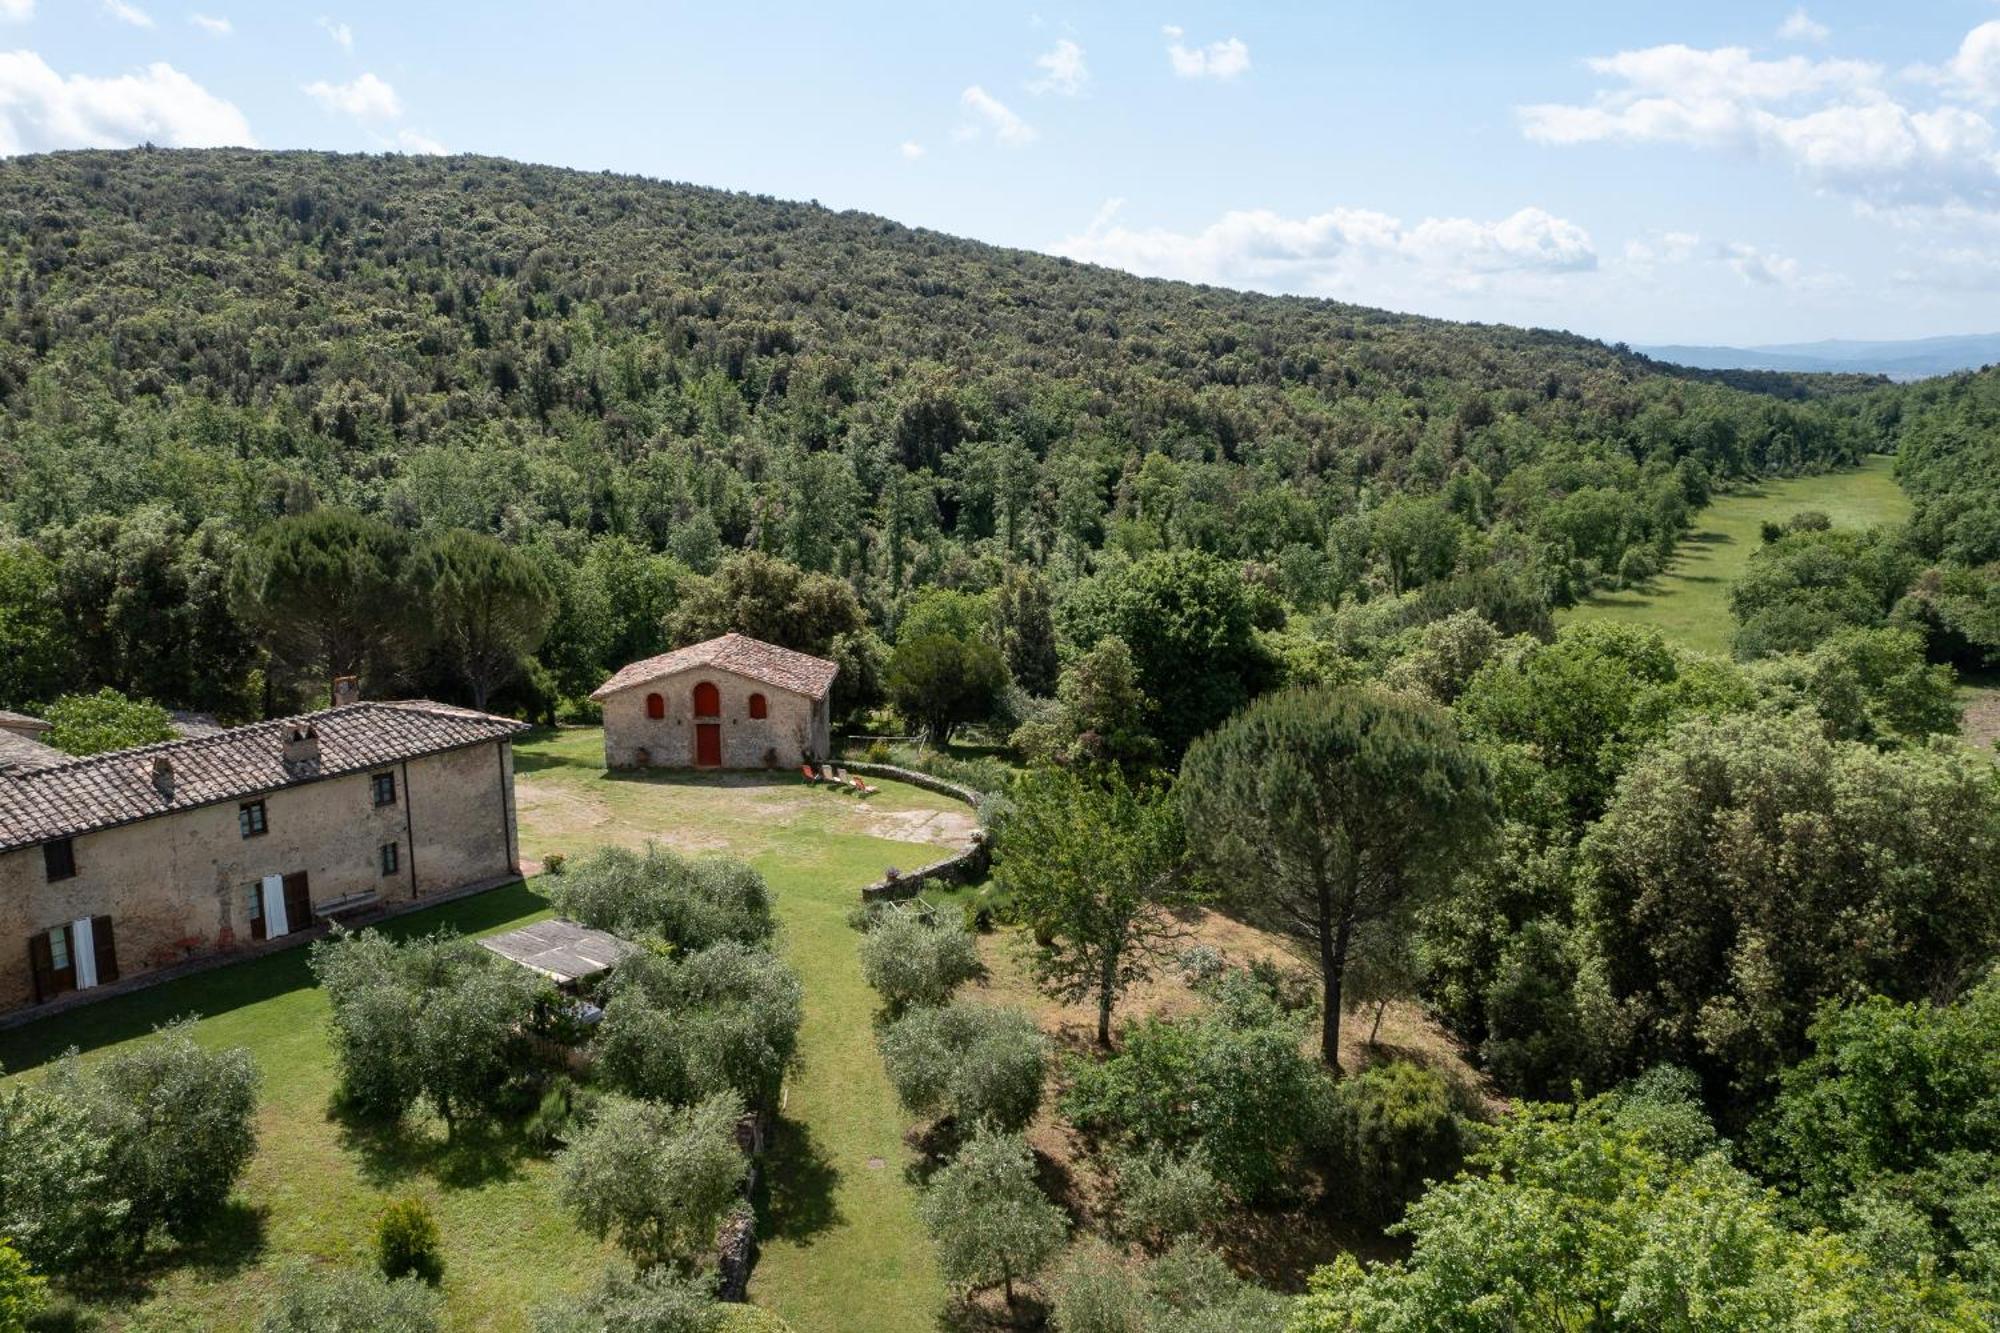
x,y
366,97
1341,251
1668,247
1763,268
1975,70
42,110
126,13
1063,70
911,150
1004,125
342,35
1834,121
1800,26
412,142
16,11
1218,60
214,26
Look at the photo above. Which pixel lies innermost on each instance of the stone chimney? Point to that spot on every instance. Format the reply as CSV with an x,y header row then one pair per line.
x,y
301,750
163,776
346,690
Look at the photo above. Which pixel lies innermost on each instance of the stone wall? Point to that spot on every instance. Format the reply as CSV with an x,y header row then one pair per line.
x,y
959,868
795,728
179,886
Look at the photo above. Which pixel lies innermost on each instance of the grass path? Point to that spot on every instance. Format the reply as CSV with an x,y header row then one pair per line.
x,y
842,1248
1689,603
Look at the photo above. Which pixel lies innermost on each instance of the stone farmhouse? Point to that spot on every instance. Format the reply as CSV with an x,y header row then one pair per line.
x,y
732,702
122,863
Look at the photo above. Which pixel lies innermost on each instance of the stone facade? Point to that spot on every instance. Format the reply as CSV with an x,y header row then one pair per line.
x,y
795,727
181,884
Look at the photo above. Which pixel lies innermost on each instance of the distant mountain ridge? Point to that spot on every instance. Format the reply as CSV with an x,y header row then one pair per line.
x,y
1899,359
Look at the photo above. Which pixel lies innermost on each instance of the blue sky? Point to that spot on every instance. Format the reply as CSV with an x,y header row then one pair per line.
x,y
1654,172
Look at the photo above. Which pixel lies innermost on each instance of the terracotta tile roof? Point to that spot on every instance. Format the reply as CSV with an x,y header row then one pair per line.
x,y
801,673
102,790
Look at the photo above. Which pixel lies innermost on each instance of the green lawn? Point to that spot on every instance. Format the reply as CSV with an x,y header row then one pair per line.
x,y
1689,603
842,1249
316,1184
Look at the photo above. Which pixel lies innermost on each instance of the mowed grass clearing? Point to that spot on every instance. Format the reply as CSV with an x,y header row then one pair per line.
x,y
842,1249
1689,602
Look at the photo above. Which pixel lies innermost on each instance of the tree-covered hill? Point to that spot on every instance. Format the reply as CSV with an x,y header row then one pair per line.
x,y
598,367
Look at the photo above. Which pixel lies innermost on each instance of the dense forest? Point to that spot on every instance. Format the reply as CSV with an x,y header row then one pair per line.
x,y
627,381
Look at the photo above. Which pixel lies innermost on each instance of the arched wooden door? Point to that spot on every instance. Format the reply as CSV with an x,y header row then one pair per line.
x,y
707,727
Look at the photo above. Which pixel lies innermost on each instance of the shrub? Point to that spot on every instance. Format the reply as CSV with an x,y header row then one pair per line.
x,y
911,961
657,1300
989,1218
347,1300
656,1179
553,863
1200,962
181,1123
58,1200
407,1243
565,1107
1396,1129
1163,1198
972,1062
21,1289
1189,1289
677,1030
82,724
690,902
1230,1085
181,1120
1092,1291
91,1160
878,752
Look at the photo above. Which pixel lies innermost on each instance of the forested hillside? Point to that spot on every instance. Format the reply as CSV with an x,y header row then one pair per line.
x,y
625,381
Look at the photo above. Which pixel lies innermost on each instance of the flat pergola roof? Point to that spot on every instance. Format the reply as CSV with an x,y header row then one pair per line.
x,y
562,950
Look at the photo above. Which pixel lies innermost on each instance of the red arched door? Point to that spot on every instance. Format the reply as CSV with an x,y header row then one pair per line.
x,y
707,734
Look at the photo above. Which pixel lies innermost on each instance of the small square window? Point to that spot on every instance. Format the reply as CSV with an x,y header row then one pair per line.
x,y
390,857
384,787
59,859
250,819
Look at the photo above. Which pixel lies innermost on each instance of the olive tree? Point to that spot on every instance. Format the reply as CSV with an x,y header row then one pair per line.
x,y
657,1179
974,1062
690,902
679,1029
910,960
350,1300
990,1220
1322,811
